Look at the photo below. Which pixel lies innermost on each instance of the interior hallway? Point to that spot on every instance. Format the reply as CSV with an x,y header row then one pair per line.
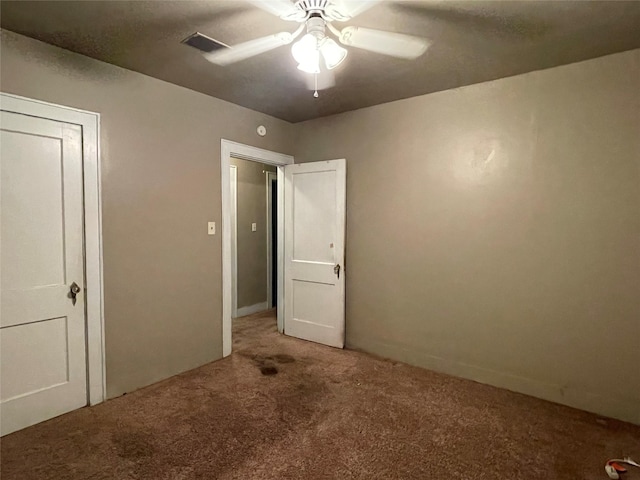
x,y
285,408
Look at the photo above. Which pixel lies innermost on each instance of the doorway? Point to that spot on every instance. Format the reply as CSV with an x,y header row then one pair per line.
x,y
311,246
253,236
229,151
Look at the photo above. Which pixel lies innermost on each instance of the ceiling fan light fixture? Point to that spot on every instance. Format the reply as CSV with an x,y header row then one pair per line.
x,y
305,49
311,64
332,53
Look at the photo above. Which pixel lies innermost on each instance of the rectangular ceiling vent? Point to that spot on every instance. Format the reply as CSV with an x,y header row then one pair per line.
x,y
204,43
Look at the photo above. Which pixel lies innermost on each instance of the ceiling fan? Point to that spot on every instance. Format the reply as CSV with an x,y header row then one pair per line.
x,y
316,17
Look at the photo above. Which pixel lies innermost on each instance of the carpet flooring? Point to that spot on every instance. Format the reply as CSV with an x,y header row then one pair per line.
x,y
282,408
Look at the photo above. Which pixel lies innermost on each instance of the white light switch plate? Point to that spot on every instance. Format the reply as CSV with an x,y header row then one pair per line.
x,y
212,228
254,227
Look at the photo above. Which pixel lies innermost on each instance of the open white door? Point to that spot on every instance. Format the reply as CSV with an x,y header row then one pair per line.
x,y
314,203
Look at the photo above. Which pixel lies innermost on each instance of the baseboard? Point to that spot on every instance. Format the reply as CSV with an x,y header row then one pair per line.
x,y
624,409
251,309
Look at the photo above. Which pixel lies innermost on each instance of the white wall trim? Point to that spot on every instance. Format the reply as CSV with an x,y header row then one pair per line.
x,y
230,149
251,309
280,259
268,179
90,123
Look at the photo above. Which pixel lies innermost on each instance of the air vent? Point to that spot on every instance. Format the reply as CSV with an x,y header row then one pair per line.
x,y
204,43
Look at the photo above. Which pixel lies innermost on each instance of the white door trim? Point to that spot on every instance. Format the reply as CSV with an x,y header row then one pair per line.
x,y
233,226
268,178
90,123
230,149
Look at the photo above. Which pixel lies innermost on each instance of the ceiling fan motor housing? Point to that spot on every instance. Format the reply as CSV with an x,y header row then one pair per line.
x,y
326,9
316,26
311,5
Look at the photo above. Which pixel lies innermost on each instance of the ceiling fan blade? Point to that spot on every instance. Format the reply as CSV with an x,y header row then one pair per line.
x,y
249,49
388,43
353,8
326,79
284,9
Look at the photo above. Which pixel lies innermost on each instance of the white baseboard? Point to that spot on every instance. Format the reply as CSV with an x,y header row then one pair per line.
x,y
251,309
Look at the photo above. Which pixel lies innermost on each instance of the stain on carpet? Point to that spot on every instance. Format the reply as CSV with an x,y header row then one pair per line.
x,y
266,362
283,358
268,370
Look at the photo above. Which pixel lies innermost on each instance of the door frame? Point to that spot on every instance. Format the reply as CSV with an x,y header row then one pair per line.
x,y
233,227
269,177
94,314
230,149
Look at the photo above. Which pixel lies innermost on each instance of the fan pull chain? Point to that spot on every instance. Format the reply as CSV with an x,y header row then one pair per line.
x,y
315,94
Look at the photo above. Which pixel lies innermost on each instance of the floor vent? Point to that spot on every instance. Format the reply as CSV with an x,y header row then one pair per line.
x,y
204,43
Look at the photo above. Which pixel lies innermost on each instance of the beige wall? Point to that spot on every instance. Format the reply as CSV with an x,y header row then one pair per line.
x,y
493,231
160,185
252,246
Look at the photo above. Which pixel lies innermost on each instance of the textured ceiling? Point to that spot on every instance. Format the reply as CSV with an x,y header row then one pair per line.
x,y
473,41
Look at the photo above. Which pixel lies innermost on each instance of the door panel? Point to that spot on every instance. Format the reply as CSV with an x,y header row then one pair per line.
x,y
314,223
314,247
37,260
22,345
42,333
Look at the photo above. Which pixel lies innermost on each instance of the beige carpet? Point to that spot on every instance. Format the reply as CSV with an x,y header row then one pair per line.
x,y
285,408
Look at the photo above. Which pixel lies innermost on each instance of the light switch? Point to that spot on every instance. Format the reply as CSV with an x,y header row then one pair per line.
x,y
254,227
212,228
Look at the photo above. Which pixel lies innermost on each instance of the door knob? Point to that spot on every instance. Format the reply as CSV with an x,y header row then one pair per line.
x,y
336,270
74,290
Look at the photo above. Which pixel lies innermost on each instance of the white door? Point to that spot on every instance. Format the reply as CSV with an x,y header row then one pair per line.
x,y
42,332
314,201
